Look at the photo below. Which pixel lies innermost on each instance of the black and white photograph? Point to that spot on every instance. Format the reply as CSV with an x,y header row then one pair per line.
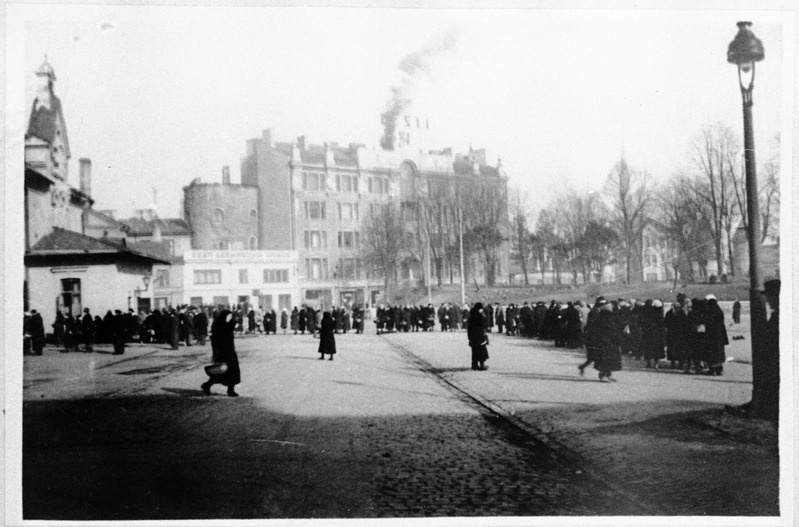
x,y
399,262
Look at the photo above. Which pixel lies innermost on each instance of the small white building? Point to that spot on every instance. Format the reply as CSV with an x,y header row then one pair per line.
x,y
268,279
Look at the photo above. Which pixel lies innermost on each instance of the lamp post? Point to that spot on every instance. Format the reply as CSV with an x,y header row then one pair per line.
x,y
744,51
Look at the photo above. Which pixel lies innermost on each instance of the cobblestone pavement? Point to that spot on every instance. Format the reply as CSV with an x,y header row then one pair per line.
x,y
395,426
656,435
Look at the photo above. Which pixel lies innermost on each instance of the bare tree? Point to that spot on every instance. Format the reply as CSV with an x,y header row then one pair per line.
x,y
716,150
770,198
629,199
384,240
520,231
547,244
484,207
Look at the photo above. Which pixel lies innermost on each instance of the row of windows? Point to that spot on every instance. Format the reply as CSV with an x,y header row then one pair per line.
x,y
214,276
218,216
225,245
346,239
346,269
317,182
317,210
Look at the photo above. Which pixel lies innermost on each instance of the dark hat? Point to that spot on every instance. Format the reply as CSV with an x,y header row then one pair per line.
x,y
772,287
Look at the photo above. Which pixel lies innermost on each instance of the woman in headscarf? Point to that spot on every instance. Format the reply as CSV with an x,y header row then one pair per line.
x,y
327,342
478,340
284,319
224,351
716,334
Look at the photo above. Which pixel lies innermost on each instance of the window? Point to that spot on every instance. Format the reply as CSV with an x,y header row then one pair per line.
x,y
347,268
161,279
346,183
196,301
408,211
348,239
313,181
314,210
378,185
316,268
210,276
315,239
243,276
218,216
284,302
221,301
170,246
274,276
70,296
253,243
348,211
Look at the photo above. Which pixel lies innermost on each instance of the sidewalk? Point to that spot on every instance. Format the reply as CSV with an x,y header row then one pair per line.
x,y
660,435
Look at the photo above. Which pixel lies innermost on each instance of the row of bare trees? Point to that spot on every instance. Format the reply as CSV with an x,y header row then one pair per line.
x,y
431,228
693,214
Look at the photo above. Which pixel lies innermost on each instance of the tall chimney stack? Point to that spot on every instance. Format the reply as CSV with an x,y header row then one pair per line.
x,y
226,175
85,176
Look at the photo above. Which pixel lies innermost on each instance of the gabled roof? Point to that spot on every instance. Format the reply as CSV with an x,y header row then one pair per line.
x,y
160,250
44,122
169,226
62,241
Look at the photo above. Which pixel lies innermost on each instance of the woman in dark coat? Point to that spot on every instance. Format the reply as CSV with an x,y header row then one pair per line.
x,y
58,328
327,341
295,319
224,350
301,320
604,331
652,333
677,329
716,335
284,320
201,326
478,340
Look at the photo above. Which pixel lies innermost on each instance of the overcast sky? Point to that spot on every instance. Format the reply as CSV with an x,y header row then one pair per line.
x,y
157,96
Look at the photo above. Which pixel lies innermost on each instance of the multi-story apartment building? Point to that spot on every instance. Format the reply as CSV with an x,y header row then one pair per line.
x,y
313,199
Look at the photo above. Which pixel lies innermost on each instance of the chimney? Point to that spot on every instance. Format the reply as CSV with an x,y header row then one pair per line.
x,y
86,176
267,137
226,175
301,142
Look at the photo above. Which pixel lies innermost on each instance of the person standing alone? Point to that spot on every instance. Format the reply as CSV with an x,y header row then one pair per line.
x,y
478,339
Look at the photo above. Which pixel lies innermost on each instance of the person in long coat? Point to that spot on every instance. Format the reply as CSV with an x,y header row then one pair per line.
x,y
273,322
87,329
677,328
652,333
716,334
284,320
295,320
489,312
478,339
310,320
35,328
223,350
327,340
174,329
736,311
697,334
251,321
117,329
605,333
201,326
500,316
59,327
301,319
574,327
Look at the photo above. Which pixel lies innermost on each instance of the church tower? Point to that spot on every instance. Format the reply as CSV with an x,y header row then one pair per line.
x,y
46,142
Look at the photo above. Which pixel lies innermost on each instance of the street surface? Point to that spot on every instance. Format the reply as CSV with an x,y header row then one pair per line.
x,y
396,426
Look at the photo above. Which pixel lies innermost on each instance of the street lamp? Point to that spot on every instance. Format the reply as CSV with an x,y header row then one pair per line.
x,y
744,51
146,281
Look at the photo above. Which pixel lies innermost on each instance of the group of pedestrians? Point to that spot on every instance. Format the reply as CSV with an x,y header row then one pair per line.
x,y
71,332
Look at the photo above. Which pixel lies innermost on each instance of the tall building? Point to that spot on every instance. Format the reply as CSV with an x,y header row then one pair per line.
x,y
313,199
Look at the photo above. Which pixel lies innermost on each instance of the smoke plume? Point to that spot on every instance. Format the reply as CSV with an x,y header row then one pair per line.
x,y
415,66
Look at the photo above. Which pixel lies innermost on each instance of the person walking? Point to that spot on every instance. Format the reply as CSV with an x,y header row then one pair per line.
x,y
327,339
223,350
478,339
605,332
736,311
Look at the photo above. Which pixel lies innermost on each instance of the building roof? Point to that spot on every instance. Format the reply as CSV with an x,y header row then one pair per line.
x,y
61,241
169,226
160,250
44,122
